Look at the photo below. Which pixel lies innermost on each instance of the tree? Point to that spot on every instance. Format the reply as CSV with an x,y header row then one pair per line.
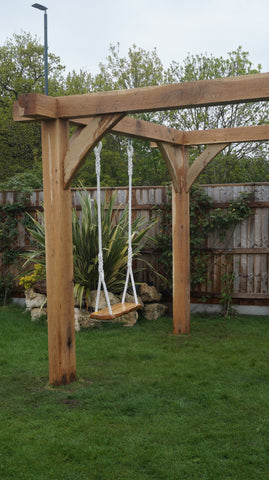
x,y
77,83
238,162
22,71
140,68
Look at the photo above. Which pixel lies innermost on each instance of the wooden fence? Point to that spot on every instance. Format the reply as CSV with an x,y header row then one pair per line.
x,y
244,252
243,255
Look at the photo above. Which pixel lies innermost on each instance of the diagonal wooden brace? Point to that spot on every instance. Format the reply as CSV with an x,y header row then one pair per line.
x,y
202,161
85,142
174,159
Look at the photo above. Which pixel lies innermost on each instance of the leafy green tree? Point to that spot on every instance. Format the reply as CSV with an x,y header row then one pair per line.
x,y
238,162
22,71
77,83
139,68
22,68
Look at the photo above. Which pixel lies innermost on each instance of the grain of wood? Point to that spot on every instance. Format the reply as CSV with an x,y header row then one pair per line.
x,y
59,255
118,310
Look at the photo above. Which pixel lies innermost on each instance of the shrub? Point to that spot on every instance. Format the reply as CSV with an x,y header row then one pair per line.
x,y
85,244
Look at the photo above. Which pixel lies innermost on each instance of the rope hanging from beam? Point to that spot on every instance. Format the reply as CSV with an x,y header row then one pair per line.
x,y
130,274
117,310
101,279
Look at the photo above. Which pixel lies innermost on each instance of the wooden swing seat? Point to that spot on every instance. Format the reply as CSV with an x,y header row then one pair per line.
x,y
118,310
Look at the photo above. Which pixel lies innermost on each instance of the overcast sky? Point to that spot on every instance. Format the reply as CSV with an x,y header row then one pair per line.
x,y
80,31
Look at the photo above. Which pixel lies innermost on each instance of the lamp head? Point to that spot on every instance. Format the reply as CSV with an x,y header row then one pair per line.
x,y
40,7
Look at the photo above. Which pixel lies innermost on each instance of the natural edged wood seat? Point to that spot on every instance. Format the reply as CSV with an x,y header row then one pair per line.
x,y
118,310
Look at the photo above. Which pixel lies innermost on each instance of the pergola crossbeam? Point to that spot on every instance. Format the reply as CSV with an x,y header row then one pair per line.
x,y
254,133
218,91
154,132
37,106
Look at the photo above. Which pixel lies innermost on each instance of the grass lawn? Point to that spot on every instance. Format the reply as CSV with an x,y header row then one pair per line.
x,y
147,404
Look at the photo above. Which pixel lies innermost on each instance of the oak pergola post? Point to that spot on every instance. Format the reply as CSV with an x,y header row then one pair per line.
x,y
181,261
183,176
59,254
61,160
177,161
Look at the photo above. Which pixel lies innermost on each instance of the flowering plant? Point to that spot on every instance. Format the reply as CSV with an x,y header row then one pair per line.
x,y
28,280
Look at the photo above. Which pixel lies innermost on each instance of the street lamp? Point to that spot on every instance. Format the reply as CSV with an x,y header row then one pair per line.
x,y
44,9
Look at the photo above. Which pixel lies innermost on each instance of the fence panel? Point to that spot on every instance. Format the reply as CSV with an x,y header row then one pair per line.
x,y
244,251
245,247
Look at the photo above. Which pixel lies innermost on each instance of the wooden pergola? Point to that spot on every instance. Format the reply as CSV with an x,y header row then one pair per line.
x,y
96,114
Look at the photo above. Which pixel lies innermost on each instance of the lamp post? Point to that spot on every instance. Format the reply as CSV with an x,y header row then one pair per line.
x,y
44,9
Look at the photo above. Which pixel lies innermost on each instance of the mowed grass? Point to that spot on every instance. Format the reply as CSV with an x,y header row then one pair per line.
x,y
147,404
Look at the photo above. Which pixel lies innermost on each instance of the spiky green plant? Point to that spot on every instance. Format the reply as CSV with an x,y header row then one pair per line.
x,y
114,242
37,254
85,244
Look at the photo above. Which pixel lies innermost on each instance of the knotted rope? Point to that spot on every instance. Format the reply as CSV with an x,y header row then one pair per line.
x,y
101,279
130,152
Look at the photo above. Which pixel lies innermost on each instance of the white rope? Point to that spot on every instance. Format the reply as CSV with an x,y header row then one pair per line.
x,y
130,152
101,280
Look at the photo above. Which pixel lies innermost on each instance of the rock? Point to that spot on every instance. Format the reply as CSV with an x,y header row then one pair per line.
x,y
153,311
102,300
34,299
128,320
149,294
77,315
37,313
130,299
83,320
40,286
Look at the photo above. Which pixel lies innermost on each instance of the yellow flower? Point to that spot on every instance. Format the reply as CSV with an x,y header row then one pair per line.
x,y
28,280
